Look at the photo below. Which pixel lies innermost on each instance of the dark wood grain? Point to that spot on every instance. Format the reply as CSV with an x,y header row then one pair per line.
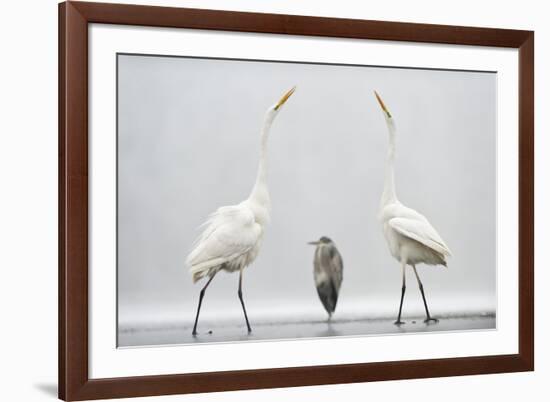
x,y
526,184
299,25
73,202
74,382
62,206
300,376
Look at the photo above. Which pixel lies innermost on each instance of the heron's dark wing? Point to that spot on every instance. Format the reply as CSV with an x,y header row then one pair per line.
x,y
336,268
329,273
328,295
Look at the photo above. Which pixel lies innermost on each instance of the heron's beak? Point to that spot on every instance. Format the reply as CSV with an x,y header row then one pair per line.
x,y
285,98
313,243
382,105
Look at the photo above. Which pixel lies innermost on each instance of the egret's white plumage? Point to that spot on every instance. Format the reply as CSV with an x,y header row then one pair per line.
x,y
232,235
410,237
230,241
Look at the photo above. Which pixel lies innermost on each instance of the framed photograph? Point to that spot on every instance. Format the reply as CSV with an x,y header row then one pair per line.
x,y
260,200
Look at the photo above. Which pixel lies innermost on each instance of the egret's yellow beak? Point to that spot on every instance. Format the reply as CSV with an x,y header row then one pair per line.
x,y
382,105
285,98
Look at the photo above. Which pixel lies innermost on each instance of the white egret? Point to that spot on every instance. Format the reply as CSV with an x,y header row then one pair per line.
x,y
328,269
411,238
233,234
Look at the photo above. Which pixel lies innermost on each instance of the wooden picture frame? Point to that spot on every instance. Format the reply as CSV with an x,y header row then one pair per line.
x,y
74,381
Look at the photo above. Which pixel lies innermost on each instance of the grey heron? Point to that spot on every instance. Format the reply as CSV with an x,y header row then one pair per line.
x,y
328,271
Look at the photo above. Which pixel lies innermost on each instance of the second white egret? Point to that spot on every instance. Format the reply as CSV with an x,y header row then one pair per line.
x,y
411,238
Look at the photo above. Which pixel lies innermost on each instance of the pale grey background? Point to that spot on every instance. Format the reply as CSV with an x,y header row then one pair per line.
x,y
188,140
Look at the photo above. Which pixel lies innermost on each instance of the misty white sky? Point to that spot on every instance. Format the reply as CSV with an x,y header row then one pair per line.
x,y
188,140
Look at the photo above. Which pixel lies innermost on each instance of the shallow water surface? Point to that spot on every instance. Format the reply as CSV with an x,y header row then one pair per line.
x,y
208,331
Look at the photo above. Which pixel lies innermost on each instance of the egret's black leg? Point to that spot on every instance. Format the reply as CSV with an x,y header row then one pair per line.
x,y
403,287
399,322
203,291
428,317
240,293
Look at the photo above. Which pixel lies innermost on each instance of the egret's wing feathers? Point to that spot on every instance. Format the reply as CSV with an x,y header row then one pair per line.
x,y
230,232
221,215
422,232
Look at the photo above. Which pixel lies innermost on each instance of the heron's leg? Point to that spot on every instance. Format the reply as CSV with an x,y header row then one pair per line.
x,y
203,291
403,287
240,293
428,317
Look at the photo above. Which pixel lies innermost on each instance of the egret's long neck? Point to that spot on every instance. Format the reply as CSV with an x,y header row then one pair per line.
x,y
260,193
389,195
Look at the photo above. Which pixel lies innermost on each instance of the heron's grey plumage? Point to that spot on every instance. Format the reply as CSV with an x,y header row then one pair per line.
x,y
328,269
